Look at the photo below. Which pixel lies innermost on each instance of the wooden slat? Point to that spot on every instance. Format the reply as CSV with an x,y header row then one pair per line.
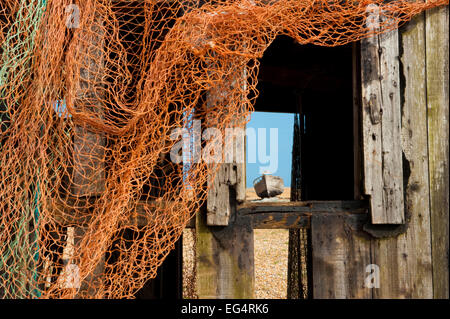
x,y
222,190
340,255
306,207
225,259
405,261
227,185
280,220
381,115
437,48
294,215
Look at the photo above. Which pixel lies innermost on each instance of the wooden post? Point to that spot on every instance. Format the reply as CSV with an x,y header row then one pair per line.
x,y
225,259
437,85
381,116
229,182
225,256
405,260
340,256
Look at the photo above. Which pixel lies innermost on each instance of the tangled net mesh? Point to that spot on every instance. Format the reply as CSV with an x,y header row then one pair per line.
x,y
90,92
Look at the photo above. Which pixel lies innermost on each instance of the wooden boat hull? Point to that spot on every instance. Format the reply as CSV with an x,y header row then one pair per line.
x,y
268,186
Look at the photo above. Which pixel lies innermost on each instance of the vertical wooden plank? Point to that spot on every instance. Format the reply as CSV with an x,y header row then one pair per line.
x,y
391,132
381,127
373,181
222,190
437,48
405,261
229,182
225,259
340,255
225,255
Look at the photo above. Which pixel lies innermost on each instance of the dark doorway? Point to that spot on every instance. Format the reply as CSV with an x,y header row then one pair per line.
x,y
168,284
316,83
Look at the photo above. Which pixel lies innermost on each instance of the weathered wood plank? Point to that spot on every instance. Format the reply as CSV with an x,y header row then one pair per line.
x,y
280,220
405,261
306,207
227,185
293,215
222,190
437,48
381,127
340,255
224,255
225,259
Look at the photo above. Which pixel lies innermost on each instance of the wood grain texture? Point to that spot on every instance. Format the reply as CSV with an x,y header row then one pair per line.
x,y
437,48
280,221
225,255
223,190
381,127
294,215
306,207
225,260
228,183
340,255
405,261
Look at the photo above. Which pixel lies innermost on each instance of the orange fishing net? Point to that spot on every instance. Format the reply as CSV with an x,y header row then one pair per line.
x,y
91,92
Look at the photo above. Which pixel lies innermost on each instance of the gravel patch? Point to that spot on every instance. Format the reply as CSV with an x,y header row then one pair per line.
x,y
271,257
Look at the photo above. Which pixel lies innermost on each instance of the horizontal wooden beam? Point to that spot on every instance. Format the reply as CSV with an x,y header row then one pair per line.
x,y
286,220
351,206
263,216
296,214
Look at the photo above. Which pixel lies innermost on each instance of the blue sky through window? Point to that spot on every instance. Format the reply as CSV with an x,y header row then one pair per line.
x,y
284,122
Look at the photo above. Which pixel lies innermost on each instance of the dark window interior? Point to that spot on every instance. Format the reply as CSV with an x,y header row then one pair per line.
x,y
315,82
